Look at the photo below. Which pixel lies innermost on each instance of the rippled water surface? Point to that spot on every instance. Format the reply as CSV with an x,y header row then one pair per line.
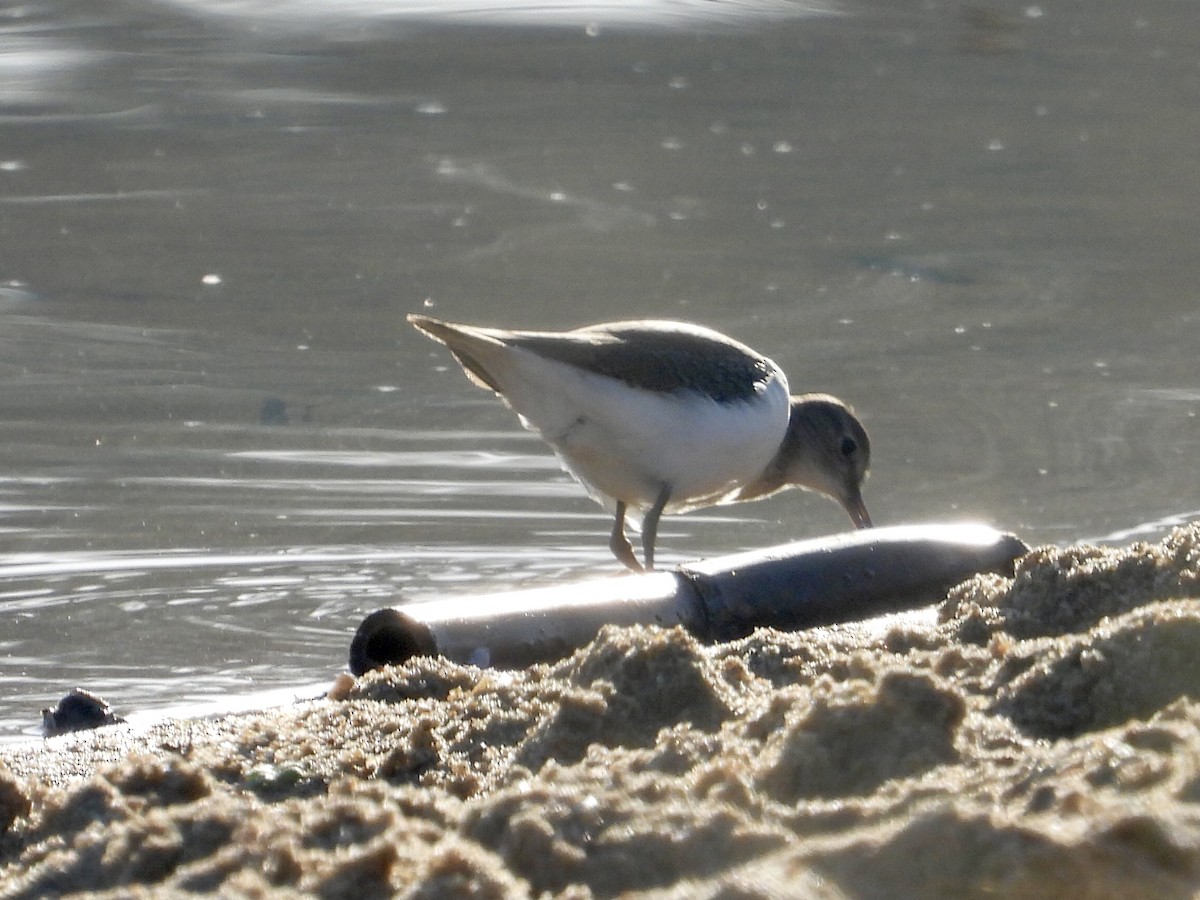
x,y
223,446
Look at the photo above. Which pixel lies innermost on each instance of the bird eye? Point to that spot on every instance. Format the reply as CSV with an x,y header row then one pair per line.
x,y
849,445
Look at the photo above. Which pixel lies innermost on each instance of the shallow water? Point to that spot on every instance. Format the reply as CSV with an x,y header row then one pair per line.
x,y
976,224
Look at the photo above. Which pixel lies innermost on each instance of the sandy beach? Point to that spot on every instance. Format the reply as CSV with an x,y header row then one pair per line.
x,y
1041,739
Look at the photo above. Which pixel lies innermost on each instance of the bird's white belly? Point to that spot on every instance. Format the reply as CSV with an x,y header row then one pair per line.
x,y
625,443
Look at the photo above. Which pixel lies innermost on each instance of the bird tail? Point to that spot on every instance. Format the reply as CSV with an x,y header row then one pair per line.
x,y
465,342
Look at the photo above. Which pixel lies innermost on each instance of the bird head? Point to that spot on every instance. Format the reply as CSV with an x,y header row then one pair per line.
x,y
827,450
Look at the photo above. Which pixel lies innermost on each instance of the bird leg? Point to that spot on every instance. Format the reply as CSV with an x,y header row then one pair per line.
x,y
619,543
650,525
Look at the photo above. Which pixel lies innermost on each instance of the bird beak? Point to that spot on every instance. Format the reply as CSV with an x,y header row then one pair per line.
x,y
857,510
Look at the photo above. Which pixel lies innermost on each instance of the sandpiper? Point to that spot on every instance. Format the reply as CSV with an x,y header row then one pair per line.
x,y
661,417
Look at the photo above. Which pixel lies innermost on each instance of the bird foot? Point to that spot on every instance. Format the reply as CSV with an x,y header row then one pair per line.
x,y
623,550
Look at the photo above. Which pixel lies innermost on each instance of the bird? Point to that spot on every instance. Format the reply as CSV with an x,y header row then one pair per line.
x,y
657,416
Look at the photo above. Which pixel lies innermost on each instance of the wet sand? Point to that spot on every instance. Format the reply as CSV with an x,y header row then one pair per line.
x,y
1040,740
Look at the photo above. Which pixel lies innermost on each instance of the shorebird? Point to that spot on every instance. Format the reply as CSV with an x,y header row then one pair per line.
x,y
661,417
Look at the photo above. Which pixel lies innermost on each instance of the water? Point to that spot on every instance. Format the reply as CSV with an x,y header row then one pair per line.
x,y
976,223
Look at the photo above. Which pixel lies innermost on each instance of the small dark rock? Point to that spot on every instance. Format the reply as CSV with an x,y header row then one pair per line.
x,y
77,711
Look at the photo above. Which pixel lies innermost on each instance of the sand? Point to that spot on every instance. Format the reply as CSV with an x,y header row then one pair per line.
x,y
1041,739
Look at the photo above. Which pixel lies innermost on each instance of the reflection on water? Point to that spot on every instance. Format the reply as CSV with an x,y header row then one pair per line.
x,y
589,14
222,446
